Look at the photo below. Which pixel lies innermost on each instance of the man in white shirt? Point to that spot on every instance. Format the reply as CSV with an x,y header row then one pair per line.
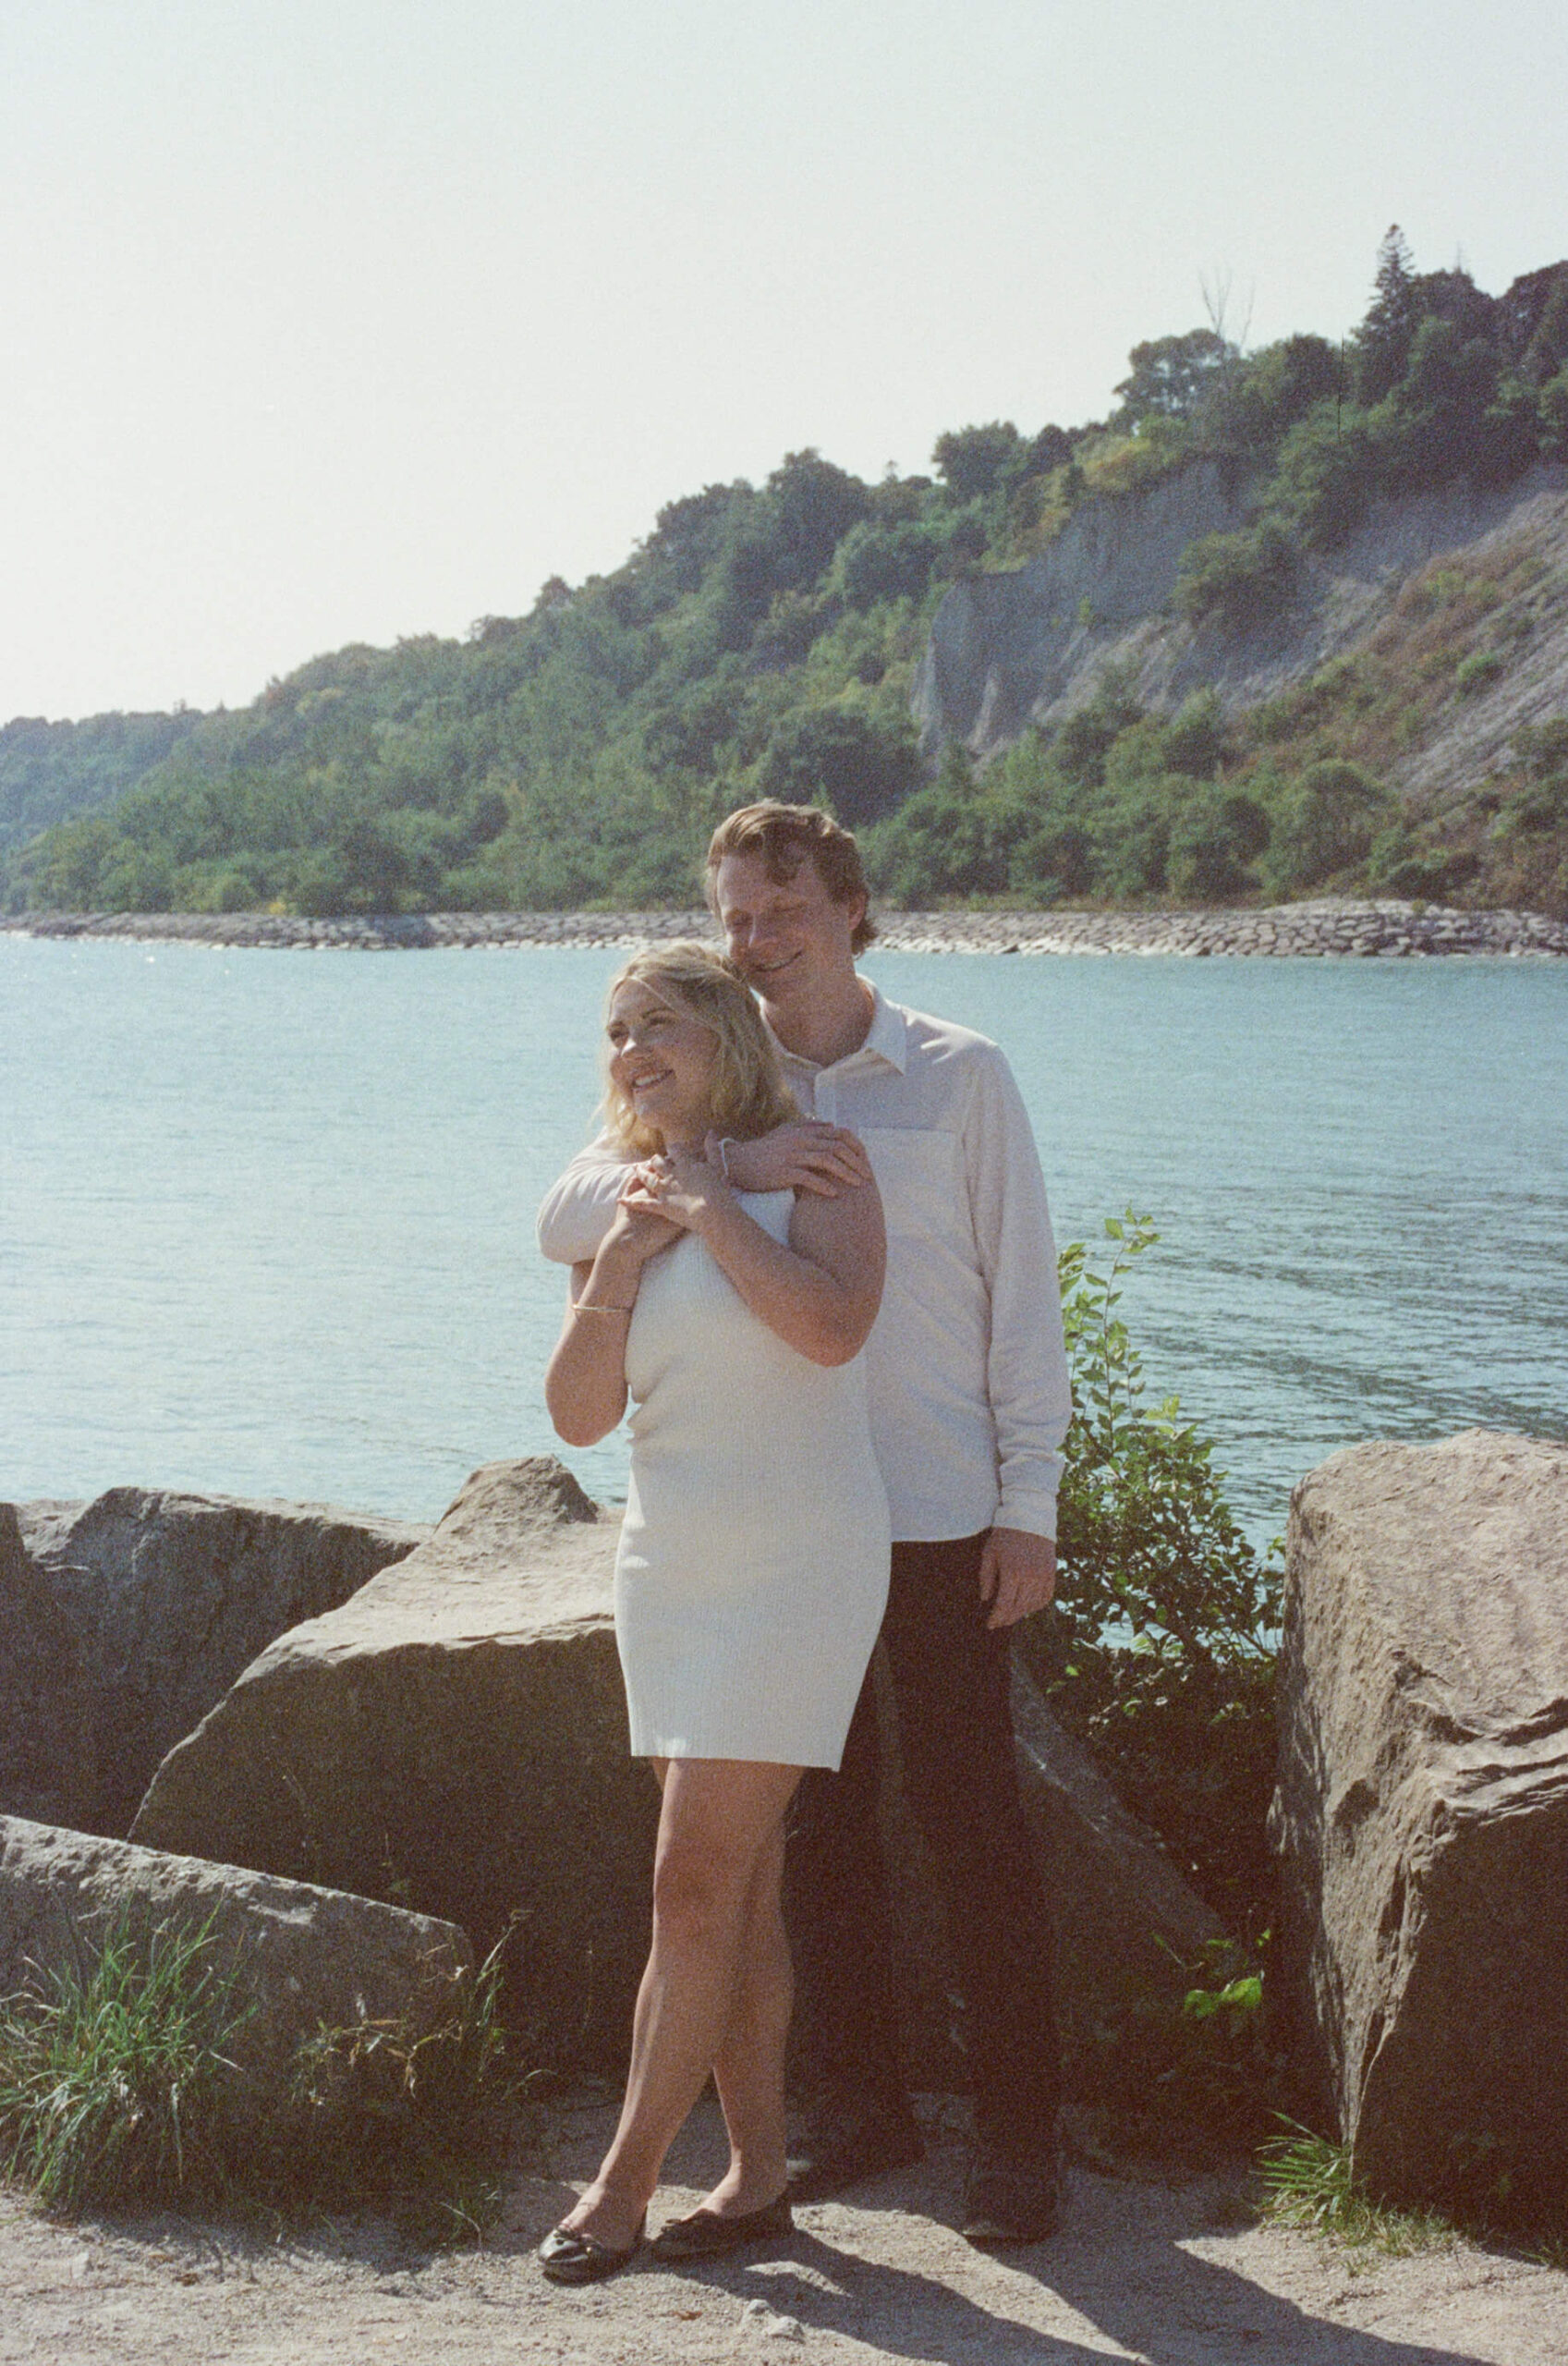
x,y
970,1407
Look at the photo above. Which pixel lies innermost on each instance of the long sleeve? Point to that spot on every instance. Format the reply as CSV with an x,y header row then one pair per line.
x,y
1027,1361
576,1213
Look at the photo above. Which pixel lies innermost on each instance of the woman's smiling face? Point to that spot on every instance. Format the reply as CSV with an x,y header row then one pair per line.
x,y
662,1059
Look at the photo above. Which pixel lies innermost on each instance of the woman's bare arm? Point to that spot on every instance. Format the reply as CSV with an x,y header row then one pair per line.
x,y
584,1386
820,1292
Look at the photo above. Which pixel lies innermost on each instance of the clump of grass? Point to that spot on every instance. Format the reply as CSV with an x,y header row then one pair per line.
x,y
113,2078
421,2123
108,2079
1311,2183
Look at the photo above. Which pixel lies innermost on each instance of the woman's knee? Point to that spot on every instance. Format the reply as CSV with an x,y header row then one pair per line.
x,y
698,1882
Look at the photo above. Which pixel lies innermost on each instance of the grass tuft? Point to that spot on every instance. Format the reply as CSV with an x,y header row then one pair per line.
x,y
419,2124
108,2079
1311,2183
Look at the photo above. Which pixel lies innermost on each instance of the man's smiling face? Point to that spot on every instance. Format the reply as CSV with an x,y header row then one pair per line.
x,y
788,938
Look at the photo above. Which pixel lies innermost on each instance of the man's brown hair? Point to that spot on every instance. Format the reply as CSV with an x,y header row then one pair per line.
x,y
783,836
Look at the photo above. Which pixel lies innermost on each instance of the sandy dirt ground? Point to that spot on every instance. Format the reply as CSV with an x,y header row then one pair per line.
x,y
1174,2275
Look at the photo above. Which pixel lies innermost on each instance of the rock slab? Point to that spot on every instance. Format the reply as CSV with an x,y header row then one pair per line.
x,y
127,1618
302,1959
1422,1815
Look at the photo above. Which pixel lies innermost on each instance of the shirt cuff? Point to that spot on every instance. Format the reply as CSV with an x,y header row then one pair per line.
x,y
1032,1512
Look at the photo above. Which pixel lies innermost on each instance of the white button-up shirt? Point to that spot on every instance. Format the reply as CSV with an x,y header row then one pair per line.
x,y
966,1365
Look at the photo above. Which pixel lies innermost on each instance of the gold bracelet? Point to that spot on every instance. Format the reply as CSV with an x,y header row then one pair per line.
x,y
580,1306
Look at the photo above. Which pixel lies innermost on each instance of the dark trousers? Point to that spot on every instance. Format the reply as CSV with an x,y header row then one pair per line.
x,y
950,1678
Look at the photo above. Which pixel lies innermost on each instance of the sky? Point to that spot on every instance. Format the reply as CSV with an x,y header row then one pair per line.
x,y
333,321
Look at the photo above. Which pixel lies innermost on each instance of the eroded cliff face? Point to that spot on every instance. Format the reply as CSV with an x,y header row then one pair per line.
x,y
1027,647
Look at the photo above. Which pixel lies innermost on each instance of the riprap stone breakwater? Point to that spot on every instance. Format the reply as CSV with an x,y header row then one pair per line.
x,y
447,1736
1328,927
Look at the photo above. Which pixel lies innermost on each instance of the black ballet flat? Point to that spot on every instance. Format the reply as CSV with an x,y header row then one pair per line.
x,y
568,2256
705,2234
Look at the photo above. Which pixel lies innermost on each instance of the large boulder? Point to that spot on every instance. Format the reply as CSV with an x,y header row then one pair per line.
x,y
295,1960
1422,1815
134,1615
43,1696
455,1737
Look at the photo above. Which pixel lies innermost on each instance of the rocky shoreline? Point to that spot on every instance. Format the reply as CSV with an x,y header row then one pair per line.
x,y
1329,927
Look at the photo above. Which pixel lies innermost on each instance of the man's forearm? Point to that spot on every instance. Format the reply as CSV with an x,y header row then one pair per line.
x,y
578,1210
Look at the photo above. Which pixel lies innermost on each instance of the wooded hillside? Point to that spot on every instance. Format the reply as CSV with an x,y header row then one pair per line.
x,y
764,641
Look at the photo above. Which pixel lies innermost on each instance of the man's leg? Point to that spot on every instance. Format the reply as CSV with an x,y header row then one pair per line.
x,y
952,1680
857,2114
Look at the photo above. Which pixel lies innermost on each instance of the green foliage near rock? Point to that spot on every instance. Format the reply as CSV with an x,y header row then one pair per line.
x,y
1327,820
1159,1654
762,640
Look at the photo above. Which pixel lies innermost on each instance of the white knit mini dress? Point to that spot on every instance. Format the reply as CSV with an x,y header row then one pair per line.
x,y
753,1564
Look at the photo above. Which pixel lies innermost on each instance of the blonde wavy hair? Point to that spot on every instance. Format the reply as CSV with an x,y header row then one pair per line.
x,y
749,1095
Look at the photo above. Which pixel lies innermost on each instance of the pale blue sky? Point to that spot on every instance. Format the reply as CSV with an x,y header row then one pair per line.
x,y
334,320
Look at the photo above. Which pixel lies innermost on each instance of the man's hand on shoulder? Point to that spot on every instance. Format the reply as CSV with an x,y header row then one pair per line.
x,y
805,1155
1018,1574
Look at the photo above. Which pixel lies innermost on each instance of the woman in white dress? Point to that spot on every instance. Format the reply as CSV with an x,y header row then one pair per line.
x,y
752,1569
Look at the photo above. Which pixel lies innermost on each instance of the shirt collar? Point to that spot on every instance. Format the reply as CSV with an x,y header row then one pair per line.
x,y
887,1039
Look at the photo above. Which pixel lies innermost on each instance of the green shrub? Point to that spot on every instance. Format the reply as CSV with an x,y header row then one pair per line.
x,y
1325,475
1551,407
1050,861
892,562
1216,838
1327,820
1238,580
1401,864
1478,673
1194,741
861,763
1160,1657
1160,1654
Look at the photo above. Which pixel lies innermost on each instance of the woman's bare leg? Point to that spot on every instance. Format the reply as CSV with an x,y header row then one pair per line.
x,y
719,1819
749,2068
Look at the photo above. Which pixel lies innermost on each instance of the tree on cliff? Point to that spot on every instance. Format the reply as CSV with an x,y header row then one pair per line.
x,y
1172,376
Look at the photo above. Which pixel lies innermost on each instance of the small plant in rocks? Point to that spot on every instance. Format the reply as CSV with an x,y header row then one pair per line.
x,y
420,2123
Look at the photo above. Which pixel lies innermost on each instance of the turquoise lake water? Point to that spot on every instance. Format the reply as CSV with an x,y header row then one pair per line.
x,y
266,1219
